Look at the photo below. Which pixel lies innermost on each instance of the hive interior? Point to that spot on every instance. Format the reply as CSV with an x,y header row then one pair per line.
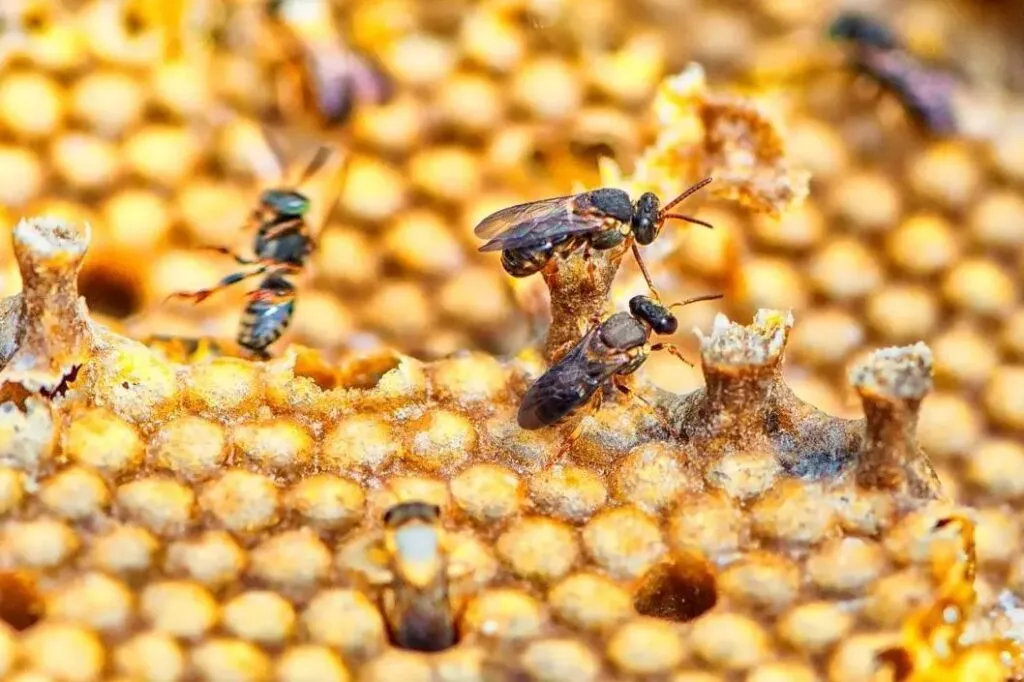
x,y
202,520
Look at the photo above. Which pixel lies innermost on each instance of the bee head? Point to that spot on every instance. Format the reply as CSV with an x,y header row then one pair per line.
x,y
657,316
862,29
647,219
286,202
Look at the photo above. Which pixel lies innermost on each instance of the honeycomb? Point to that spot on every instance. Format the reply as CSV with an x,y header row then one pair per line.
x,y
214,520
243,494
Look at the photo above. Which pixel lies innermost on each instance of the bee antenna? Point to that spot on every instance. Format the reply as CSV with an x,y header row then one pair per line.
x,y
695,221
695,299
694,188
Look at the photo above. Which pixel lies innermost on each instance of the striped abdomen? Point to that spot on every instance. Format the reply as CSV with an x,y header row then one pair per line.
x,y
263,323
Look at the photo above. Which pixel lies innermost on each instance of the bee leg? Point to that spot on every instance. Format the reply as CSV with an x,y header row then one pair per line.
x,y
644,271
673,349
241,260
233,278
261,294
591,268
569,441
593,406
626,390
283,229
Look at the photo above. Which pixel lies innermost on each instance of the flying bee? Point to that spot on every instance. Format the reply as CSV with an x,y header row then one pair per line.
x,y
611,350
925,90
323,77
530,235
282,245
415,601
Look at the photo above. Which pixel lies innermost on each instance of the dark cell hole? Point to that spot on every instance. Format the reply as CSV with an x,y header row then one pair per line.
x,y
134,23
591,152
679,589
109,292
423,630
312,367
35,21
20,602
898,661
274,8
366,372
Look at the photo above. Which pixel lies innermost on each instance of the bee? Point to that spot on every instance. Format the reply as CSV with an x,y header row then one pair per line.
x,y
416,601
925,90
611,350
530,235
282,245
323,77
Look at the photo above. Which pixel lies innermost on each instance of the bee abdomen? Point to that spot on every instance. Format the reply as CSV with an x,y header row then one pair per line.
x,y
262,324
527,261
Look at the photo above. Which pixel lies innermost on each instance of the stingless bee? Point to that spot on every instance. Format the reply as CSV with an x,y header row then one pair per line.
x,y
925,90
611,350
323,77
282,245
415,598
530,235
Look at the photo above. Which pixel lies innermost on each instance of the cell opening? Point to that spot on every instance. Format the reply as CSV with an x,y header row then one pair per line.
x,y
679,589
592,151
312,366
35,21
134,22
110,292
898,661
21,605
424,633
366,372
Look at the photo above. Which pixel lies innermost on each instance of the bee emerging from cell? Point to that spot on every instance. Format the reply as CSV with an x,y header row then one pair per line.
x,y
531,235
611,350
925,90
282,246
415,596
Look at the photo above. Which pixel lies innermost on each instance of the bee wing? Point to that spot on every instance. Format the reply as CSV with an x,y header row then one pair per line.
x,y
369,80
569,383
537,221
338,79
925,90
